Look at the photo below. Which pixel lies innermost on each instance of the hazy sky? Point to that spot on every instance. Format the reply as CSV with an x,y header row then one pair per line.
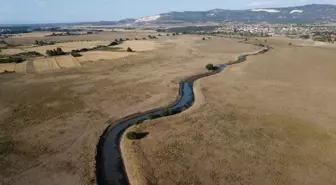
x,y
51,11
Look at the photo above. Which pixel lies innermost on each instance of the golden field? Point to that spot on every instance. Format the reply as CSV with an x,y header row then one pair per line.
x,y
266,121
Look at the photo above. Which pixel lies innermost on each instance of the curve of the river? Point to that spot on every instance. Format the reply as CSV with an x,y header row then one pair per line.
x,y
110,169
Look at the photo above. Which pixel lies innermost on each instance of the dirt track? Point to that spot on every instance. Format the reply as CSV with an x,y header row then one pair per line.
x,y
50,122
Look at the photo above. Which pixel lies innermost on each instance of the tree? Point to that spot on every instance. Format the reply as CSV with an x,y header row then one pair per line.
x,y
211,67
59,51
129,49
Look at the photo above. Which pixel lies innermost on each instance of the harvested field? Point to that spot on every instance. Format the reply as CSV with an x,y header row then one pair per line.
x,y
67,47
103,36
32,35
269,120
140,45
11,51
45,64
51,122
21,67
8,67
67,61
102,55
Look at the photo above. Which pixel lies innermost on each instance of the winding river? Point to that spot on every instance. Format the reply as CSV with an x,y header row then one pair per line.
x,y
110,169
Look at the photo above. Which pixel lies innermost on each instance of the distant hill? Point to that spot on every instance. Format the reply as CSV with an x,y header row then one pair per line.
x,y
314,13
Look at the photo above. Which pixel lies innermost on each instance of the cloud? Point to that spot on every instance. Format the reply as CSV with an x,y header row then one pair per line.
x,y
261,3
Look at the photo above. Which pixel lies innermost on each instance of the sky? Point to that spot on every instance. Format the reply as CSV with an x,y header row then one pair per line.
x,y
63,11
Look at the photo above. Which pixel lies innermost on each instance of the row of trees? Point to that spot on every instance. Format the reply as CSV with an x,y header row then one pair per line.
x,y
42,43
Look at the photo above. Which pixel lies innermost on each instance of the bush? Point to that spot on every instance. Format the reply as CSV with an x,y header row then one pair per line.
x,y
166,112
167,34
76,54
211,67
159,35
137,122
127,39
203,38
131,135
290,44
55,52
84,50
129,49
121,40
153,116
144,38
114,43
11,60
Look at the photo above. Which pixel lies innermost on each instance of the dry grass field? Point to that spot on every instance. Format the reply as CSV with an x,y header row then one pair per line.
x,y
68,46
32,34
11,51
141,45
67,61
8,67
50,122
102,55
270,120
102,36
21,67
45,64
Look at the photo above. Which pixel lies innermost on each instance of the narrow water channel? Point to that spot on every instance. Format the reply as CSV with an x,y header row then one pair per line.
x,y
110,169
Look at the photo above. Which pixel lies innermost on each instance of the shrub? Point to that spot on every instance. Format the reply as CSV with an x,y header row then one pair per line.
x,y
131,135
129,49
76,54
84,50
167,34
135,38
113,43
127,39
121,40
137,122
159,35
166,112
290,44
211,67
203,38
153,116
144,38
55,52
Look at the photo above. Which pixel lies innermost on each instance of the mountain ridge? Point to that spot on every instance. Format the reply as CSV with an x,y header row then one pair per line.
x,y
306,14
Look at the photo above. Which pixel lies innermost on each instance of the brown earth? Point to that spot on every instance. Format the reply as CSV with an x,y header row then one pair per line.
x,y
270,120
50,122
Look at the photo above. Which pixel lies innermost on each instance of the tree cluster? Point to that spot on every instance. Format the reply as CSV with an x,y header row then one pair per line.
x,y
55,52
43,43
